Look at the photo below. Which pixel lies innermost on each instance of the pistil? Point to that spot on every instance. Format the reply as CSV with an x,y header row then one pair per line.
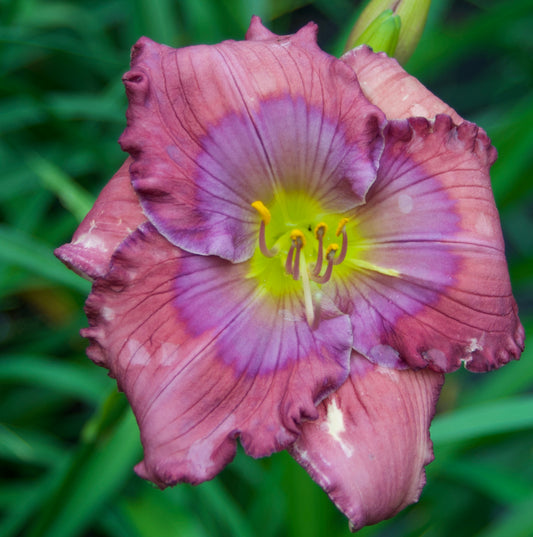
x,y
308,299
297,242
290,258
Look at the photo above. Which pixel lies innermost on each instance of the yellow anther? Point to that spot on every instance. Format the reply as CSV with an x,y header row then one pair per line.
x,y
264,213
322,228
341,225
297,235
332,248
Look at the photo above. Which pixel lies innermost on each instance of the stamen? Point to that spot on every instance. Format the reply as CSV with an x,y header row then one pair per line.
x,y
265,219
290,256
320,231
341,228
296,266
298,240
330,256
262,210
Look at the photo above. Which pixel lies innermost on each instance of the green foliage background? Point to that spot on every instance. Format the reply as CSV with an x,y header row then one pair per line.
x,y
67,440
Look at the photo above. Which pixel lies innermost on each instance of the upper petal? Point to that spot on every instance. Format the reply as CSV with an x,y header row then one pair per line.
x,y
203,357
212,129
370,443
114,215
257,32
386,84
430,284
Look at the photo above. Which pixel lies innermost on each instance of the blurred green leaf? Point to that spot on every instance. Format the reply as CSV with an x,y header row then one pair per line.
x,y
31,496
219,503
24,251
513,138
95,107
517,522
96,473
495,417
25,45
74,198
20,112
28,448
304,496
85,383
158,20
153,513
502,486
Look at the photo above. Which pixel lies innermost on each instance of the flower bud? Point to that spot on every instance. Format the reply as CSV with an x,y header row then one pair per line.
x,y
382,34
378,26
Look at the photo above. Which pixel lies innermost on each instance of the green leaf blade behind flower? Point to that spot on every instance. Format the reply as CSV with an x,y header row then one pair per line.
x,y
495,417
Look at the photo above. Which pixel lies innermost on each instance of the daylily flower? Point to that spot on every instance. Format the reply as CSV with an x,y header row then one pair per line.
x,y
296,250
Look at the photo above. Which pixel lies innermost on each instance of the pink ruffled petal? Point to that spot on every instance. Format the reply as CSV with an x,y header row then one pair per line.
x,y
432,285
386,84
212,129
204,358
115,214
370,444
258,32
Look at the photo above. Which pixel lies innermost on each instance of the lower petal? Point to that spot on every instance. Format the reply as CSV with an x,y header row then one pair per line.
x,y
204,359
370,444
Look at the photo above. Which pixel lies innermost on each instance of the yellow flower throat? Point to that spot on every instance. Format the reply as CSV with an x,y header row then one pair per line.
x,y
298,248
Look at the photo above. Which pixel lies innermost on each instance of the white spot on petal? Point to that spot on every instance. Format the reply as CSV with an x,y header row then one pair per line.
x,y
419,110
199,456
168,353
288,315
405,203
302,453
108,313
136,354
484,225
92,242
473,346
389,372
335,426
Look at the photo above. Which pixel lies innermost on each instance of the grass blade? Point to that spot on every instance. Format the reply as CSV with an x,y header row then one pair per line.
x,y
508,415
